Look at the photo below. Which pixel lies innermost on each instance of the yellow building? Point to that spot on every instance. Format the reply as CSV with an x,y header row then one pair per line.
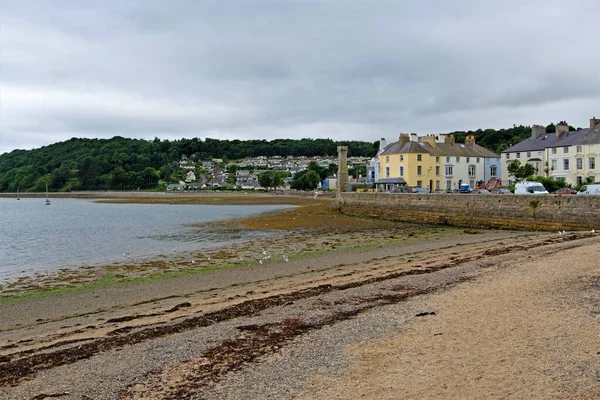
x,y
431,162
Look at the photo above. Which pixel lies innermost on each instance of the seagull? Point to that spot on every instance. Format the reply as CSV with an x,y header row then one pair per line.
x,y
260,261
208,258
193,261
285,258
264,252
593,231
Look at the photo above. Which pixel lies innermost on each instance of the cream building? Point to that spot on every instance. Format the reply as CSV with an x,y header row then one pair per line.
x,y
573,155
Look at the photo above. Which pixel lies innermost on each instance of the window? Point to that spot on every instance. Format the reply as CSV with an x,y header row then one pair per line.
x,y
554,150
493,170
448,185
419,157
401,170
471,170
437,170
472,184
437,185
457,159
566,164
554,166
448,170
447,159
579,162
508,156
387,159
419,183
540,154
580,180
592,162
566,150
437,159
401,157
518,155
387,172
528,154
579,149
477,159
468,159
419,170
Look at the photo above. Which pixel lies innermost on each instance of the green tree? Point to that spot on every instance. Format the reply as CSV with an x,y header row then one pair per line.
x,y
270,179
308,181
519,171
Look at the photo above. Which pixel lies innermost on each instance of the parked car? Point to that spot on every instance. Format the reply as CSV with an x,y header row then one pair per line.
x,y
530,188
589,189
419,190
565,191
464,188
480,191
501,191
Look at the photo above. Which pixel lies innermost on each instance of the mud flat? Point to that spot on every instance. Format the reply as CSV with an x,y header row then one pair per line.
x,y
362,308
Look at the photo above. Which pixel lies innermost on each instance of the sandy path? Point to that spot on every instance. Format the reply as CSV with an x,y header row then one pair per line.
x,y
525,331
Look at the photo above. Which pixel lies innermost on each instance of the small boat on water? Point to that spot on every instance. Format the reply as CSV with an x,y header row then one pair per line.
x,y
47,199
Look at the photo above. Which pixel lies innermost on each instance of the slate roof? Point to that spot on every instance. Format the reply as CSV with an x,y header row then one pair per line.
x,y
592,136
539,143
580,137
439,149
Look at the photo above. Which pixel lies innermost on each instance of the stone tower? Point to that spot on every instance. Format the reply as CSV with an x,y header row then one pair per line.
x,y
342,176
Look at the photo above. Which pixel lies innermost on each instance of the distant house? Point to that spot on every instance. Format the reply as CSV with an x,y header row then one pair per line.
x,y
196,185
190,176
218,181
247,181
175,186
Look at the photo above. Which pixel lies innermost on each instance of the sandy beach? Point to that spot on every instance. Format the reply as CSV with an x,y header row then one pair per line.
x,y
357,308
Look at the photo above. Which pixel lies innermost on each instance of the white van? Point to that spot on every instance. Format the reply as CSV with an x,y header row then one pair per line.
x,y
589,189
530,188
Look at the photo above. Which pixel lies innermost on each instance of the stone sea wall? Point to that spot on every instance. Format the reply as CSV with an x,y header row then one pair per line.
x,y
549,213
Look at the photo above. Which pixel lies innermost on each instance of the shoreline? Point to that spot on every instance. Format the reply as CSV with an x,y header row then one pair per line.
x,y
311,227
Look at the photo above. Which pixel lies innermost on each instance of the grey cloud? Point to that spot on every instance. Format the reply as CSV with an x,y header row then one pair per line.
x,y
318,68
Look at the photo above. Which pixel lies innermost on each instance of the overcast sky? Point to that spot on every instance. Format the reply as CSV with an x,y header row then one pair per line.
x,y
356,70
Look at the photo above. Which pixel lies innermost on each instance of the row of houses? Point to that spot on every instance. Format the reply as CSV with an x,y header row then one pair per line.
x,y
573,155
435,162
290,164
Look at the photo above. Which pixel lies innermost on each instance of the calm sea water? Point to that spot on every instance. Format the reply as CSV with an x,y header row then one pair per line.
x,y
74,232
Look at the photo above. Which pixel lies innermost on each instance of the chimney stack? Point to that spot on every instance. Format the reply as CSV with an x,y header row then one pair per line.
x,y
413,137
429,139
382,143
561,128
537,130
594,121
450,139
404,137
470,140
